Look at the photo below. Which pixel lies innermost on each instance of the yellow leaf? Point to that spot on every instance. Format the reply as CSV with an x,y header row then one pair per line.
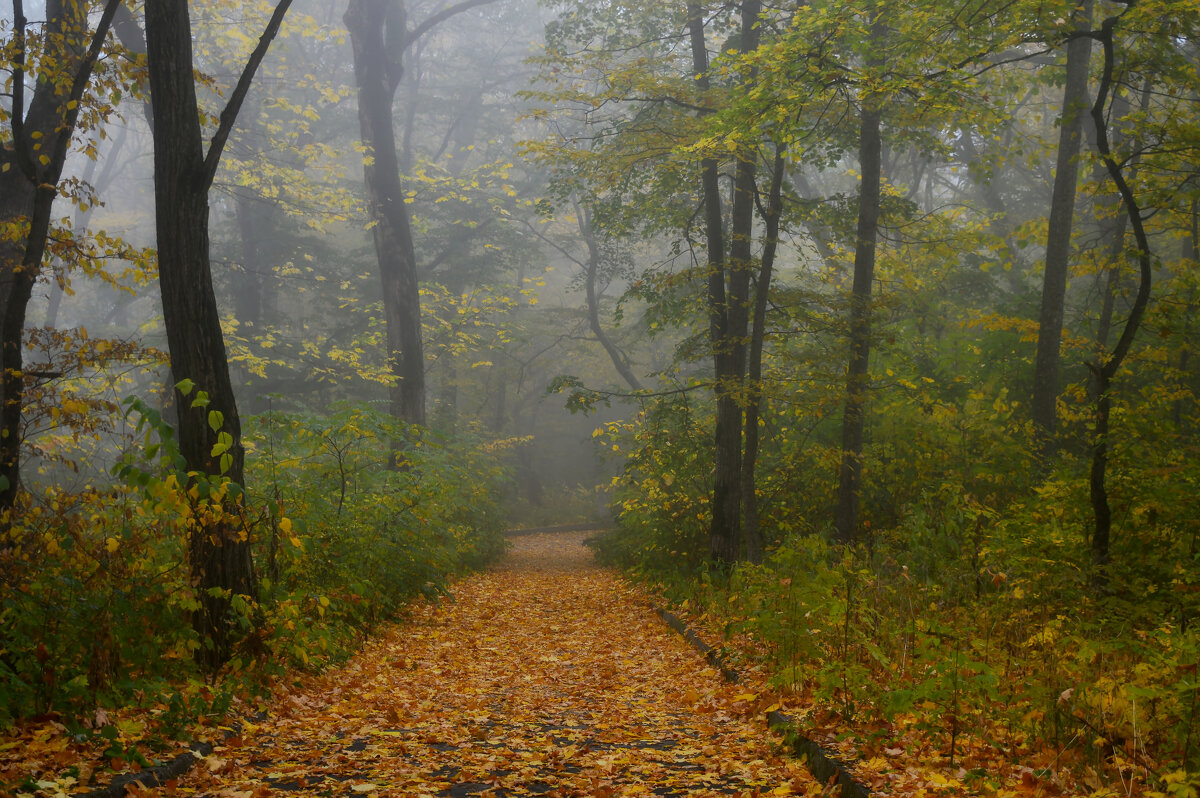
x,y
112,544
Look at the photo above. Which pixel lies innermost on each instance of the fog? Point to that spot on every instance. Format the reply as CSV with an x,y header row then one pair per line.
x,y
555,232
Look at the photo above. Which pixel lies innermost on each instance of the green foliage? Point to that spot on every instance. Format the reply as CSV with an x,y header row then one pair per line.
x,y
93,604
367,538
662,492
975,614
96,599
974,625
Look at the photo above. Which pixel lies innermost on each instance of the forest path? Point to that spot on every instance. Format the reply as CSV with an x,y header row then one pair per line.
x,y
545,675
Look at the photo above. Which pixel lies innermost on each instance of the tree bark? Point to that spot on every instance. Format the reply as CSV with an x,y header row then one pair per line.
x,y
1058,237
220,556
857,377
725,527
751,526
28,186
379,36
732,399
1105,370
1191,252
378,33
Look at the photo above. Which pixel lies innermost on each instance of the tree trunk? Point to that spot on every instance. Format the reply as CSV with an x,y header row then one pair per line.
x,y
1058,237
725,528
1191,252
850,474
28,187
1105,370
591,276
378,36
751,527
220,555
732,401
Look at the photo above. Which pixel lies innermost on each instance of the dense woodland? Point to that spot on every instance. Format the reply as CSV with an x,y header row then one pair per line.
x,y
872,325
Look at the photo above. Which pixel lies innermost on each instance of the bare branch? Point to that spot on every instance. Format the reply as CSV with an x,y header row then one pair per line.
x,y
440,17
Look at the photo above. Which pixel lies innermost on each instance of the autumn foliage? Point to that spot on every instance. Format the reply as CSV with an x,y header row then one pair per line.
x,y
765,242
968,633
96,600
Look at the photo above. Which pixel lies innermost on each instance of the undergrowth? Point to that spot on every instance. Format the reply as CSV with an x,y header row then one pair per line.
x,y
94,591
971,627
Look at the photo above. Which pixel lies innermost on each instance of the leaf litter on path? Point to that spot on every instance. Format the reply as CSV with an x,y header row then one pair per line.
x,y
546,675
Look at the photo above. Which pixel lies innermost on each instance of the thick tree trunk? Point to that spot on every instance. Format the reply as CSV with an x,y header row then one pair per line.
x,y
1058,237
857,377
220,555
378,37
20,262
181,214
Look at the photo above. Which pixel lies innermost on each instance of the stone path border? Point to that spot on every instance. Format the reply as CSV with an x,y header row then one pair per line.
x,y
156,776
824,766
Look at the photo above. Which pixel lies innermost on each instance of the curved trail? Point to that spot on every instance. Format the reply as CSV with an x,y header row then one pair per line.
x,y
545,675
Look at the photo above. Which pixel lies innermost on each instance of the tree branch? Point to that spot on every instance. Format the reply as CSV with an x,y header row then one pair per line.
x,y
440,17
230,113
1133,210
82,75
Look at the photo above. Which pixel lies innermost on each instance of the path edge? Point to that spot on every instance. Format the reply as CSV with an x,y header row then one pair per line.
x,y
150,778
824,766
163,772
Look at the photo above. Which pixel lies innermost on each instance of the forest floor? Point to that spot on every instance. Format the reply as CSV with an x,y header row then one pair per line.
x,y
545,675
